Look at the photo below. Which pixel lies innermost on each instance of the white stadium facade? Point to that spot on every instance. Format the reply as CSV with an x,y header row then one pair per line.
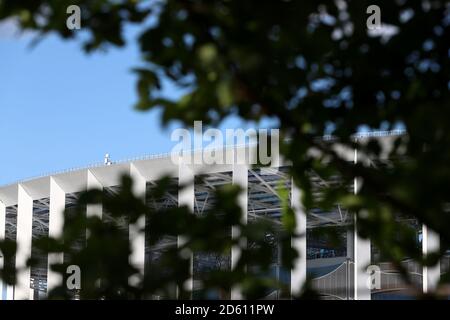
x,y
32,208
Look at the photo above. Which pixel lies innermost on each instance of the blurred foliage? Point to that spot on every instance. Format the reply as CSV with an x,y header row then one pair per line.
x,y
104,258
315,68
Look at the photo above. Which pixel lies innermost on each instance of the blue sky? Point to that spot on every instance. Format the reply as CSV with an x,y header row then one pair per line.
x,y
61,108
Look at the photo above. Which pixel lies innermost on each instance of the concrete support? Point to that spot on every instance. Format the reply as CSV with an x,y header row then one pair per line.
x,y
362,255
93,183
298,273
430,244
93,210
186,197
362,261
240,178
55,229
137,230
24,237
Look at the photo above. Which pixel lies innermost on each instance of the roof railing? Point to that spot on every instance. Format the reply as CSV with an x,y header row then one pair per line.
x,y
168,154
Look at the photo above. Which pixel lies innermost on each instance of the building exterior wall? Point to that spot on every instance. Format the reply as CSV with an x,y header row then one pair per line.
x,y
59,187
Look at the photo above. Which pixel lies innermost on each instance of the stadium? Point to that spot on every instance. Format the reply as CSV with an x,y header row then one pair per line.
x,y
33,208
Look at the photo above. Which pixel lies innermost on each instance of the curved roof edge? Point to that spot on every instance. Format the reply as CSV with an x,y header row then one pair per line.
x,y
168,155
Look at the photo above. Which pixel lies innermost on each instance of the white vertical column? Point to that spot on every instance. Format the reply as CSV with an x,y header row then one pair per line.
x,y
137,236
430,244
2,220
93,183
24,237
362,255
362,261
186,197
2,237
240,178
93,210
298,273
55,230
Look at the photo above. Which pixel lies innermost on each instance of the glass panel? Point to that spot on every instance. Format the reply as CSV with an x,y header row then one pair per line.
x,y
10,234
40,229
264,203
330,243
122,220
153,253
70,216
393,286
205,262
